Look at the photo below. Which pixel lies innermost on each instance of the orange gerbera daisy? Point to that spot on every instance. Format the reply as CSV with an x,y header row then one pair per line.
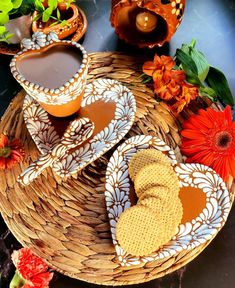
x,y
11,152
209,139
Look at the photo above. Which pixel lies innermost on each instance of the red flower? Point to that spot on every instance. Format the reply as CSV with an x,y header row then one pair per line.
x,y
209,139
31,268
11,152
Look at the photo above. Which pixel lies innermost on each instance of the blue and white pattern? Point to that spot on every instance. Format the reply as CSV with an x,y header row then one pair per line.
x,y
189,235
106,90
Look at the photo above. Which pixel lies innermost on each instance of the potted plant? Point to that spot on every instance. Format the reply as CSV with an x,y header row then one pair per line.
x,y
15,20
59,16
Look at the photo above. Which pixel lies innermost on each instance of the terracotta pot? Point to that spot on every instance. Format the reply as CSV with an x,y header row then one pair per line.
x,y
167,15
20,27
65,99
61,31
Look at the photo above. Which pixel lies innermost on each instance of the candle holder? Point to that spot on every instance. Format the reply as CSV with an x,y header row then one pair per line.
x,y
146,23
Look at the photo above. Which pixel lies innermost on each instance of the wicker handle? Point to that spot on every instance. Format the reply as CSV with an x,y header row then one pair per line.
x,y
77,132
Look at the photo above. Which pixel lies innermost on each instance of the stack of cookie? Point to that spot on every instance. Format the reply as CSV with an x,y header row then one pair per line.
x,y
143,228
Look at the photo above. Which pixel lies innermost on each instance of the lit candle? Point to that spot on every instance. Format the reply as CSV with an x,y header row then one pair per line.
x,y
146,22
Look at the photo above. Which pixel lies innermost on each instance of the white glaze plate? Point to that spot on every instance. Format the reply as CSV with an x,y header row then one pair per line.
x,y
190,234
45,136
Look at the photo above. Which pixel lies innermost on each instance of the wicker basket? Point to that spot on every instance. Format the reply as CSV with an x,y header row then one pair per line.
x,y
66,222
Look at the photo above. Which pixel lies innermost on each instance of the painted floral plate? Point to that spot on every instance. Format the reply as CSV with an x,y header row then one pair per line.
x,y
107,103
203,194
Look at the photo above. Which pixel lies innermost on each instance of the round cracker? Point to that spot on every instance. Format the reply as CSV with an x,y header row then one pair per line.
x,y
139,231
161,192
169,213
145,157
156,174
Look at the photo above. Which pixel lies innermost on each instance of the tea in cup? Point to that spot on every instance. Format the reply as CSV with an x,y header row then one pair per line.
x,y
53,72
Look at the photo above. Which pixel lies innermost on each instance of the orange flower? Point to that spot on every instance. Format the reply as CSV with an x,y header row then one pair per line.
x,y
170,85
32,269
189,93
209,139
11,152
158,65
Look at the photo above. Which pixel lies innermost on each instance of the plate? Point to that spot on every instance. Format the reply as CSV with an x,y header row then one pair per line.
x,y
199,184
107,103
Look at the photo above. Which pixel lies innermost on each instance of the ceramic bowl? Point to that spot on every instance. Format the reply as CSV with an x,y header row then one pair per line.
x,y
169,15
61,101
66,30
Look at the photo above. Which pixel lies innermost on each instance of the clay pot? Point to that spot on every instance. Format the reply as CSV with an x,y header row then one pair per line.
x,y
167,13
65,99
62,31
20,27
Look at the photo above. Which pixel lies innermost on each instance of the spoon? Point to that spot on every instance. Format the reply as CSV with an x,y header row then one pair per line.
x,y
77,132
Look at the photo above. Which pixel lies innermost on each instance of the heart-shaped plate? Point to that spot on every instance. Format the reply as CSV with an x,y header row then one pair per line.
x,y
203,194
107,103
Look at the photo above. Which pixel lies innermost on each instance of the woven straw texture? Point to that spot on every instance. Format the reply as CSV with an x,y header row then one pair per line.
x,y
66,223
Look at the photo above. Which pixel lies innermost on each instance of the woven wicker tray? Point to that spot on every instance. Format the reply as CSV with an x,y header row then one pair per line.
x,y
66,222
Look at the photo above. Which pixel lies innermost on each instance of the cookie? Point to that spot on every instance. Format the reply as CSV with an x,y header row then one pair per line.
x,y
156,174
169,213
145,157
161,192
139,231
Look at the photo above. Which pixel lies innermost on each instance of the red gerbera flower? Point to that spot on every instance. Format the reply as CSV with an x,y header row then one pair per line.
x,y
209,139
11,152
32,269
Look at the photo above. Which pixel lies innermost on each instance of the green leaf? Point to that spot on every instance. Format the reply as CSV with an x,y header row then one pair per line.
x,y
26,7
202,65
198,58
38,6
64,23
47,14
193,79
54,23
37,17
2,29
16,3
6,6
52,4
4,18
186,60
208,92
58,14
218,82
8,36
185,49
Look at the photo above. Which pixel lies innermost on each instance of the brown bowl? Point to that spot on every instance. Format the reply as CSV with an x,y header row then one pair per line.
x,y
77,21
